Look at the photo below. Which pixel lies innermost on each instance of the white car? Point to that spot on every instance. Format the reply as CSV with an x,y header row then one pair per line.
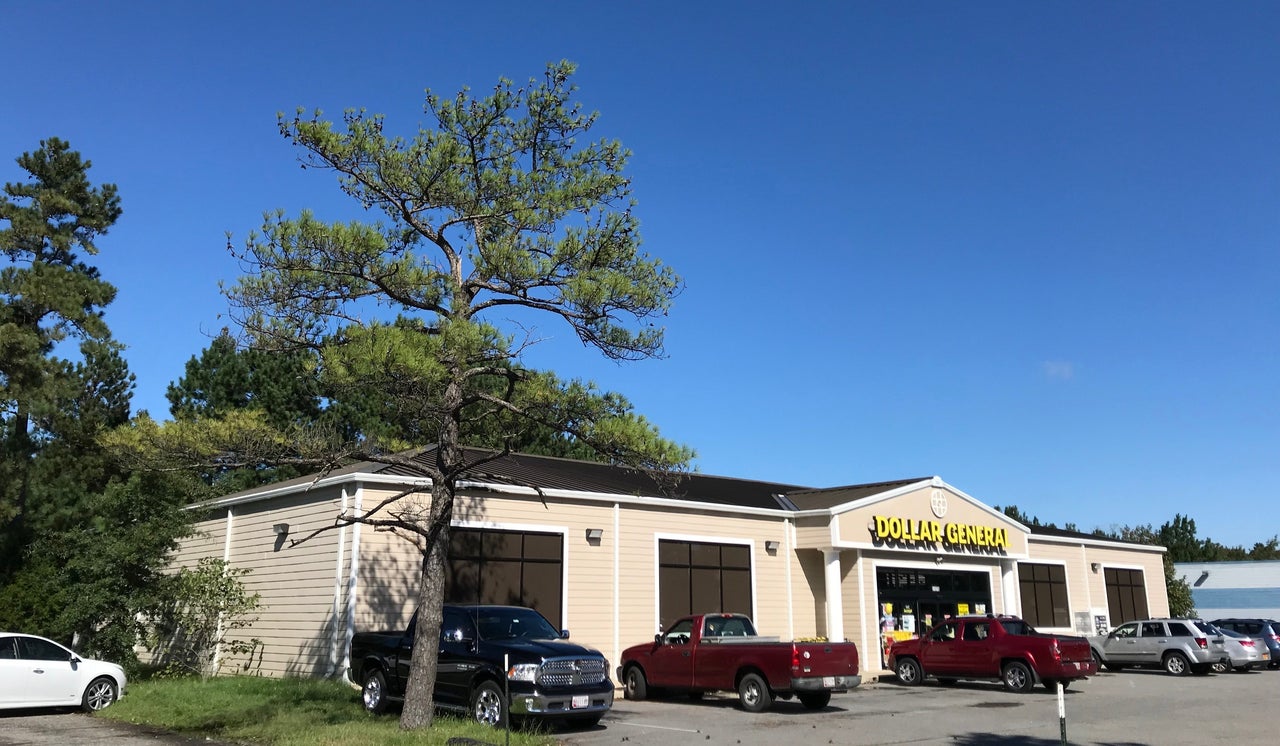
x,y
35,672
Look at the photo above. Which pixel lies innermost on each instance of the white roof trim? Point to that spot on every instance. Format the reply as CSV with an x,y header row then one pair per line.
x,y
1096,543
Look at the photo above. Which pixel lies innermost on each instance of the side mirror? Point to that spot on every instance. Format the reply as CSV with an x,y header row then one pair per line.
x,y
658,638
564,634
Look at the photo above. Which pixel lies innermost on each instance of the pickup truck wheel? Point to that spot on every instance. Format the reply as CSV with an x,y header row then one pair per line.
x,y
815,700
909,672
754,693
1176,663
634,684
1018,677
374,692
488,706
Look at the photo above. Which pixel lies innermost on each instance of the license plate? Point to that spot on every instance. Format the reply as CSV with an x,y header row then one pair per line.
x,y
582,700
828,681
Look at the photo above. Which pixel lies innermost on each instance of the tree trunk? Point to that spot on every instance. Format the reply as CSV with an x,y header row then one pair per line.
x,y
419,694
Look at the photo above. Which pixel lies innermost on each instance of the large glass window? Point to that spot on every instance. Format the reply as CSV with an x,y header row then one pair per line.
x,y
1044,594
1126,595
698,577
507,567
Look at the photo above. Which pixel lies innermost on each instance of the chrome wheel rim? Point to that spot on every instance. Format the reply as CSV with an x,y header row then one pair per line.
x,y
632,681
1016,677
906,672
372,693
1176,665
751,693
100,695
488,707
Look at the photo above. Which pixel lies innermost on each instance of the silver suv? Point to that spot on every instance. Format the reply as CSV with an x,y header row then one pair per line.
x,y
1179,646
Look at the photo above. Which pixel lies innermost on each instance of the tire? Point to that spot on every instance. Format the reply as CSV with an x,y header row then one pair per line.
x,y
373,694
1219,667
1097,659
99,695
1176,663
1017,677
814,700
634,685
754,694
1113,666
1273,665
909,672
488,706
1052,684
1246,668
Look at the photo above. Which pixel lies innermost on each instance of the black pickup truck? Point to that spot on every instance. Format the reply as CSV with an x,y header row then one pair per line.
x,y
487,652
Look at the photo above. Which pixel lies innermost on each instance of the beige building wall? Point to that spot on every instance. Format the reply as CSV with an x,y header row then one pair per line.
x,y
1087,589
610,585
302,588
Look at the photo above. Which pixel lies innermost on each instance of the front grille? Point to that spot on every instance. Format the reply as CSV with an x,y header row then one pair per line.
x,y
572,672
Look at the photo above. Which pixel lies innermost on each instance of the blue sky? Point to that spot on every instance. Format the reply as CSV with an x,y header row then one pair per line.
x,y
1028,247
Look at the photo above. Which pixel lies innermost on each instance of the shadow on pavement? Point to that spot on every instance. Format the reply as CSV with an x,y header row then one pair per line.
x,y
992,739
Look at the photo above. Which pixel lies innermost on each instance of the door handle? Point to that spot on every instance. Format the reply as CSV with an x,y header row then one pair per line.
x,y
37,670
686,653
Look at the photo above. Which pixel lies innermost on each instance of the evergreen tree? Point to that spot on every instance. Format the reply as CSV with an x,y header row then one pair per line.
x,y
48,294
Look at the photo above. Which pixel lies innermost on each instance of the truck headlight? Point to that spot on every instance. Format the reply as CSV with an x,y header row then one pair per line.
x,y
523,672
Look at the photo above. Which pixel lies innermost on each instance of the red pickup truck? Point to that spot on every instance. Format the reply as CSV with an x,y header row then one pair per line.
x,y
992,647
721,652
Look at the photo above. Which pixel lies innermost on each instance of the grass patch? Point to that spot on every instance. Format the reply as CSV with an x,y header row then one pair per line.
x,y
286,712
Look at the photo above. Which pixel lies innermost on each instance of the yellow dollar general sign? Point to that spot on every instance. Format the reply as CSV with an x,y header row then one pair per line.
x,y
913,531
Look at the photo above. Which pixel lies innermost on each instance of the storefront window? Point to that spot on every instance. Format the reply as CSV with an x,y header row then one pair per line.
x,y
1044,594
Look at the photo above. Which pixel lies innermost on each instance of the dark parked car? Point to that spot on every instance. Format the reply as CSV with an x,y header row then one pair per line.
x,y
486,653
1265,632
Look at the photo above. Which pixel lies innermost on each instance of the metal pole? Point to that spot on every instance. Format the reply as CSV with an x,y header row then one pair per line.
x,y
506,696
1062,712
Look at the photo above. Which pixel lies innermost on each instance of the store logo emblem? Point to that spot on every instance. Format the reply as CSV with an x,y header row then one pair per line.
x,y
938,501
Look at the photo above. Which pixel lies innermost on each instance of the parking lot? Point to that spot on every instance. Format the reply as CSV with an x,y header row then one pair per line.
x,y
1115,709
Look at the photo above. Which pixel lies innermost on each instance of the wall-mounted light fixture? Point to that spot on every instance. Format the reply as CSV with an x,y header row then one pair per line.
x,y
1096,566
595,534
771,547
280,529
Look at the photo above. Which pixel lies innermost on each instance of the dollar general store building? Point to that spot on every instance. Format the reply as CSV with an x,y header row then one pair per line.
x,y
606,553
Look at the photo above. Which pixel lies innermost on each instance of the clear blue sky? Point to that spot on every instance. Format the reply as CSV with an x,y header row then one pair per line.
x,y
1028,247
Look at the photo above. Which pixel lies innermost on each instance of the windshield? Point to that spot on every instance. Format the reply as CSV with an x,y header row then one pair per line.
x,y
512,624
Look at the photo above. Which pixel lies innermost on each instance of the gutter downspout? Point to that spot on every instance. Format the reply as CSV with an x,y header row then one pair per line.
x,y
335,613
353,583
226,560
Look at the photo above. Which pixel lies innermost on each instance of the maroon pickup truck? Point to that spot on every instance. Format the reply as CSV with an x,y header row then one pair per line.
x,y
992,647
721,652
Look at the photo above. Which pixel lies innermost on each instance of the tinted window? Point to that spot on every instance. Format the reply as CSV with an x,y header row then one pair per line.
x,y
33,649
679,633
1014,627
1152,629
7,651
1206,628
976,631
1178,629
944,633
1250,628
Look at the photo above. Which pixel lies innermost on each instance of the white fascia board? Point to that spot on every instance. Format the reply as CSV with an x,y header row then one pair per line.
x,y
357,477
423,482
1107,543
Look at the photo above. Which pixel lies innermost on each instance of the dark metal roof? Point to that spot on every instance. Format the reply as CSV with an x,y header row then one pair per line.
x,y
545,472
1065,534
829,497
